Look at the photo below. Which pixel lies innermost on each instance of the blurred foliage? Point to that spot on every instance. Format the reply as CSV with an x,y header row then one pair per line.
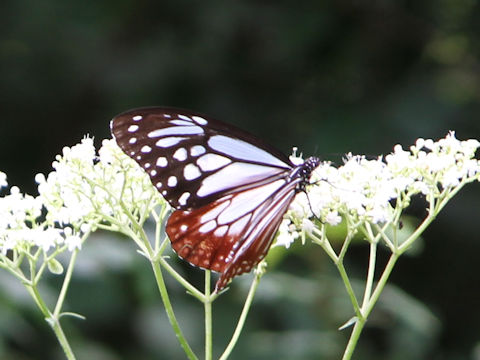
x,y
327,76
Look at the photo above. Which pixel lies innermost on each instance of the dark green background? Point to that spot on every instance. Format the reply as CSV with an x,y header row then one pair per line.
x,y
327,76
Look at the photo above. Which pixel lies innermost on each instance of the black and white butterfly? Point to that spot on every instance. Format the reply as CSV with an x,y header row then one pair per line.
x,y
229,188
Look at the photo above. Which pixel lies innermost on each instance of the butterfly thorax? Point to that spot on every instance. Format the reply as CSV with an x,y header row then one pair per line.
x,y
302,172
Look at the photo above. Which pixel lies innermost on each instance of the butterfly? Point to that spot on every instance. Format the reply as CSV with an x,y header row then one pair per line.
x,y
230,190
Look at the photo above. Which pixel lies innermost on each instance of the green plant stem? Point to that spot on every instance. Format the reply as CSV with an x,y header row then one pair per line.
x,y
181,280
141,239
208,317
348,286
242,318
62,339
157,271
66,283
53,321
416,234
368,307
371,273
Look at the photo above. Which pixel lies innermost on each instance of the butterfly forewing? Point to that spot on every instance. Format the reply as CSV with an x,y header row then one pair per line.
x,y
230,189
191,159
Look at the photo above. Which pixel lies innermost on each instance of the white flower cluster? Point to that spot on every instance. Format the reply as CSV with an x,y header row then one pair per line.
x,y
20,227
82,191
364,189
18,213
84,188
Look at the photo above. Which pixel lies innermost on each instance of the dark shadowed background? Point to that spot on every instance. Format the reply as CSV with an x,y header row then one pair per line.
x,y
327,76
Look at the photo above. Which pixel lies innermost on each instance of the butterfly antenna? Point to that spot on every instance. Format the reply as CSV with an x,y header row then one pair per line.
x,y
311,209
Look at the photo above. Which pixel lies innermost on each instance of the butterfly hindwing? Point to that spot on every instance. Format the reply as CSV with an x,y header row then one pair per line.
x,y
232,234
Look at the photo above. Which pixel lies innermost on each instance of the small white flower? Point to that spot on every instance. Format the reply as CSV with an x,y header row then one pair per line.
x,y
307,225
333,218
48,238
284,237
73,242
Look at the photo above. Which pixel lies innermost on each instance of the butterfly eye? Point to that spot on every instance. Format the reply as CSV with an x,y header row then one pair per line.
x,y
229,188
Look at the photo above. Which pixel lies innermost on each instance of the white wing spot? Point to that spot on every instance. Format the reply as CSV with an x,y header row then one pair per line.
x,y
181,122
220,231
164,192
137,118
132,140
235,174
247,201
147,165
153,172
176,130
167,116
183,227
169,141
139,157
200,120
238,226
180,154
212,214
197,150
132,128
182,200
183,117
146,149
191,172
243,150
159,184
172,181
162,161
207,227
209,162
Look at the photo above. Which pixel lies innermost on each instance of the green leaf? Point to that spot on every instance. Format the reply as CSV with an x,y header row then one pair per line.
x,y
55,267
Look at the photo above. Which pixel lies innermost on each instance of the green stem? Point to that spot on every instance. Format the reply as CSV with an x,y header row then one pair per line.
x,y
32,289
243,316
352,342
52,321
434,209
416,234
371,273
368,307
322,240
189,287
348,286
62,339
66,283
154,256
169,310
208,317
